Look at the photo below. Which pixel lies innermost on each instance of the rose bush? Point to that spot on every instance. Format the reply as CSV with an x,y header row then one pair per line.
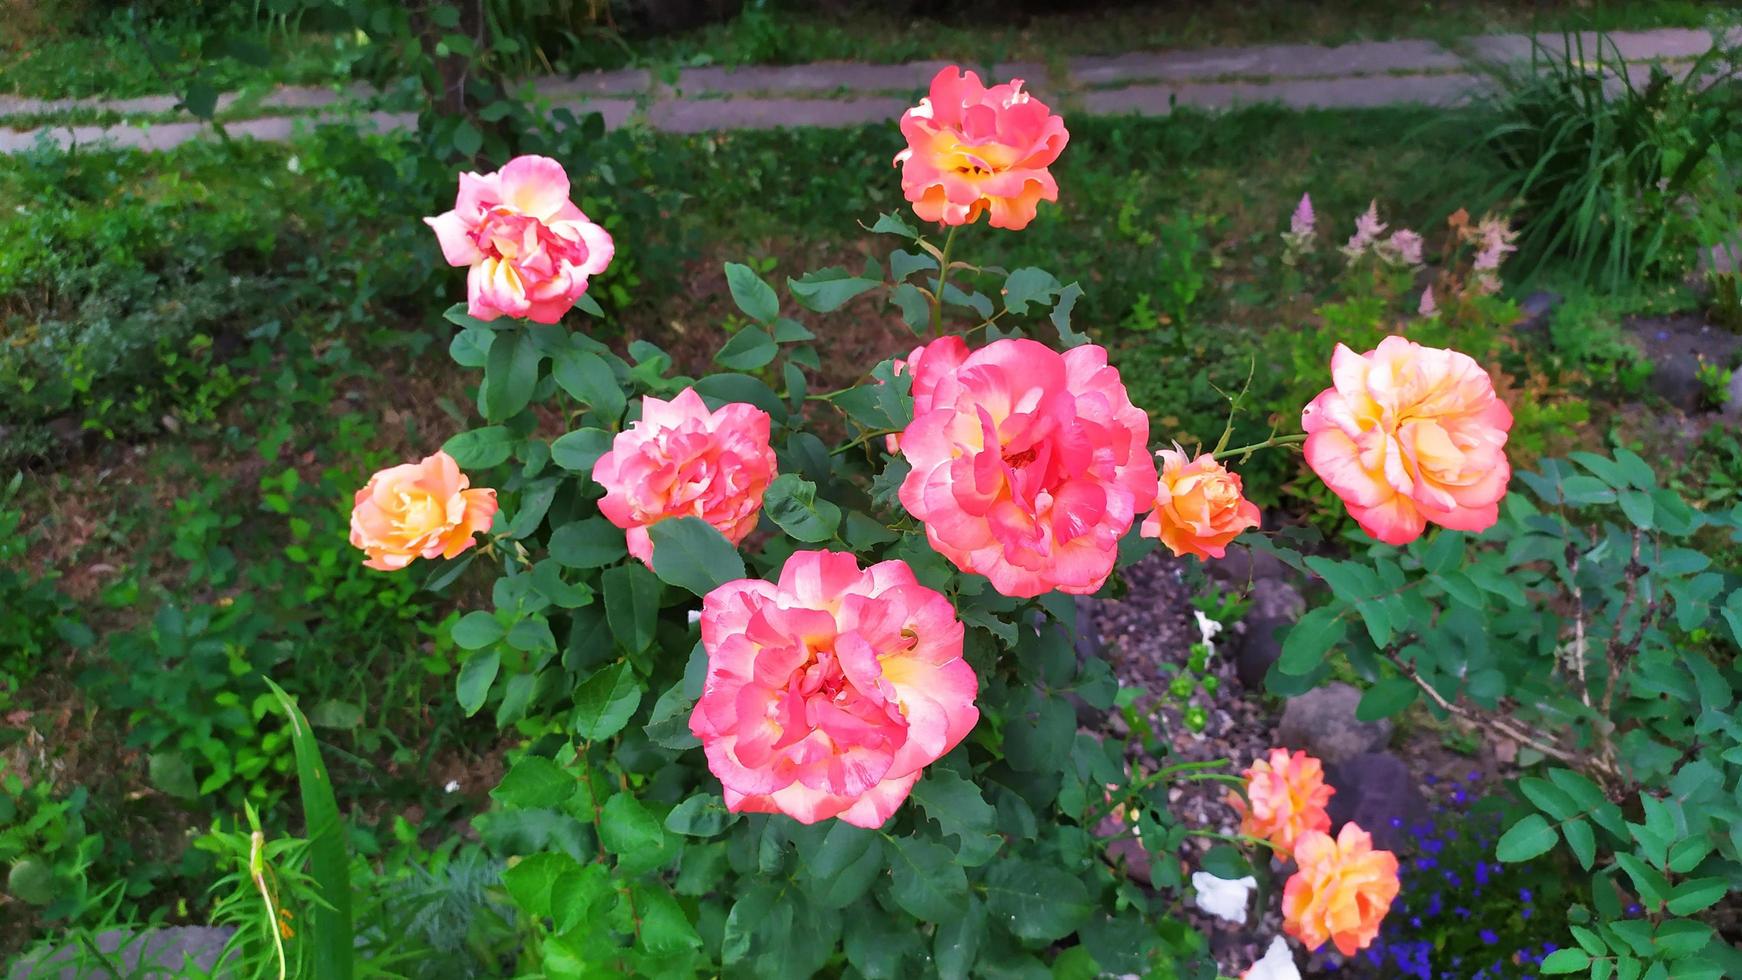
x,y
785,707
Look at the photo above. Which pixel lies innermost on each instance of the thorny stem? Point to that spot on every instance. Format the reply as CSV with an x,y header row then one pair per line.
x,y
1513,731
937,300
1269,443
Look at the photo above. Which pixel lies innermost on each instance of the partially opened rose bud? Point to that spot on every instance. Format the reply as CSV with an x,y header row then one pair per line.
x,y
419,510
974,150
1285,797
531,251
1342,891
681,460
1199,506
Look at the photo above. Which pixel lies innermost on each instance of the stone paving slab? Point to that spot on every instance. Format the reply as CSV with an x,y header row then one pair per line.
x,y
705,115
1270,61
1303,93
1297,75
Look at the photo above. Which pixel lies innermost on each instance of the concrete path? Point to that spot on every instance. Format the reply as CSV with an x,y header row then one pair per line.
x,y
1301,76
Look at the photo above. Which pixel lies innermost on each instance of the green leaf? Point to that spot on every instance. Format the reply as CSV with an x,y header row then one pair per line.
x,y
510,375
1697,894
531,881
534,503
477,630
632,595
330,934
702,815
631,832
591,543
1548,797
957,806
606,701
1566,961
956,945
1029,285
1637,506
1526,839
1444,553
843,866
480,449
587,378
926,880
1310,639
1582,840
742,388
201,99
689,553
467,139
914,306
1225,862
32,880
333,713
577,451
578,894
1061,316
665,929
894,224
791,503
476,676
826,290
171,773
1037,902
1386,698
535,783
754,296
747,350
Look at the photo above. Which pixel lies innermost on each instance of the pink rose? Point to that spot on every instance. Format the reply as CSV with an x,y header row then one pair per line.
x,y
829,691
1029,466
530,249
418,510
1199,506
972,149
1410,434
680,460
927,364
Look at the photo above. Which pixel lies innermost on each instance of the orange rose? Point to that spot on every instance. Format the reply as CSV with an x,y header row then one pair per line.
x,y
418,510
1199,508
1285,797
1342,891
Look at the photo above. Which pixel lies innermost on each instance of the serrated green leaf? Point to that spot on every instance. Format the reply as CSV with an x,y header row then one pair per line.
x,y
535,783
1311,639
480,449
1526,839
754,296
747,350
591,543
792,503
587,378
690,553
826,290
1388,697
606,701
1038,903
926,880
577,451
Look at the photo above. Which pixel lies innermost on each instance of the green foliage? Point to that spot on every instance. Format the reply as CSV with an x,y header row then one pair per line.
x,y
1590,631
1602,164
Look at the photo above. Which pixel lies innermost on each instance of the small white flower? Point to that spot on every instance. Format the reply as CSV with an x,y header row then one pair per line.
x,y
1207,629
695,616
453,786
1223,898
294,165
1277,964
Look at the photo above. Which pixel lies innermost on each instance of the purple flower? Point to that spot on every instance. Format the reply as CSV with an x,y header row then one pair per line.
x,y
1489,937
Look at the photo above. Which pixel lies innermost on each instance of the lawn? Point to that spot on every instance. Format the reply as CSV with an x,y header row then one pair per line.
x,y
207,351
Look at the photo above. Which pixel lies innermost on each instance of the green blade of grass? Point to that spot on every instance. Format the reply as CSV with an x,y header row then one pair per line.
x,y
332,932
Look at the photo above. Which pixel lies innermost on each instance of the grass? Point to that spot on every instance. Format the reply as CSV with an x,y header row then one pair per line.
x,y
113,62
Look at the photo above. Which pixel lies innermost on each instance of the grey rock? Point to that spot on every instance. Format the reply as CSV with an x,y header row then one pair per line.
x,y
1536,309
1322,721
1242,565
1376,791
151,954
1676,346
1274,598
1260,646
